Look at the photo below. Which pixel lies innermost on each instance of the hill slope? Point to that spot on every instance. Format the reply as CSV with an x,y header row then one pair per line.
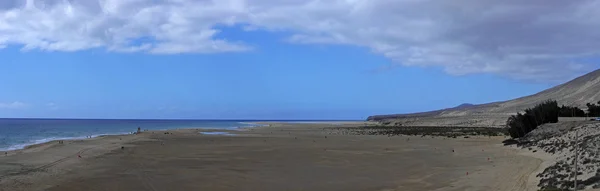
x,y
577,92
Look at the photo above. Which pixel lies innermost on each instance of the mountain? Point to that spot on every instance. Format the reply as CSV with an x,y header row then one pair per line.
x,y
464,106
577,92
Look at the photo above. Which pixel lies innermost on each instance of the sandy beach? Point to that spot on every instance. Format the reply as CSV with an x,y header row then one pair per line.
x,y
275,157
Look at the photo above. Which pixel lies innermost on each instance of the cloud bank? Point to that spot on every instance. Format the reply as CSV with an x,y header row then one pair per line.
x,y
531,40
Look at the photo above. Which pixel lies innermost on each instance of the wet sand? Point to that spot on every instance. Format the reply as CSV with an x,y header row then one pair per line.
x,y
279,157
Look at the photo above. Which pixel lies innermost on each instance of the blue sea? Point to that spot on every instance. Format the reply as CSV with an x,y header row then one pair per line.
x,y
19,133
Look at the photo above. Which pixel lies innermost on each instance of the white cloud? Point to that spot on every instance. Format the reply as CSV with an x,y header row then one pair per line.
x,y
14,105
61,25
532,40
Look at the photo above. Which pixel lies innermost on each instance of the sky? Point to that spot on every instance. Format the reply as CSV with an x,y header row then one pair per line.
x,y
284,59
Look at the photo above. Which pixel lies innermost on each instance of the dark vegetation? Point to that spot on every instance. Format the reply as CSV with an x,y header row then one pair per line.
x,y
451,132
522,123
547,112
558,176
593,109
569,111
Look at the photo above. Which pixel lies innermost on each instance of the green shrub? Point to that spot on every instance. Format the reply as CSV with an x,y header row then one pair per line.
x,y
521,124
568,111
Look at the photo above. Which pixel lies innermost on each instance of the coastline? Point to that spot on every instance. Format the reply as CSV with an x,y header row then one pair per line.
x,y
41,142
253,124
47,142
255,157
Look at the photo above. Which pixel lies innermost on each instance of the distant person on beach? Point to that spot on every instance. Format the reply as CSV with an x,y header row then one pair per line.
x,y
139,130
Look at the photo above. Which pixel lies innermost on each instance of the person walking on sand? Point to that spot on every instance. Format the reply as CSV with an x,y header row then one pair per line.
x,y
139,130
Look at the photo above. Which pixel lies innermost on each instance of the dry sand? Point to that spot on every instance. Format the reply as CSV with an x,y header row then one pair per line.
x,y
279,157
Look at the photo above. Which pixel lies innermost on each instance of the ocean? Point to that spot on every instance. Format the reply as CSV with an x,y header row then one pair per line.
x,y
19,133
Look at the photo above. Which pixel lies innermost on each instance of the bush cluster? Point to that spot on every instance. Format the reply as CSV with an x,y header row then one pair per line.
x,y
569,111
522,123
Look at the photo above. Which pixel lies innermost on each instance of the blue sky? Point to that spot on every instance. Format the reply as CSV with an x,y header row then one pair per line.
x,y
277,81
237,59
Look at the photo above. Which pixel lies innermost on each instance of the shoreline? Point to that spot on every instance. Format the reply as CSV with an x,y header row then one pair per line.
x,y
253,124
40,142
257,157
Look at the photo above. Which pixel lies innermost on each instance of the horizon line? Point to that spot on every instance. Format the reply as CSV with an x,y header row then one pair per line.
x,y
52,118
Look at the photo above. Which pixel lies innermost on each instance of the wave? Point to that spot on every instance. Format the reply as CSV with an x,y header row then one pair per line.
x,y
217,133
12,147
50,139
251,124
314,122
